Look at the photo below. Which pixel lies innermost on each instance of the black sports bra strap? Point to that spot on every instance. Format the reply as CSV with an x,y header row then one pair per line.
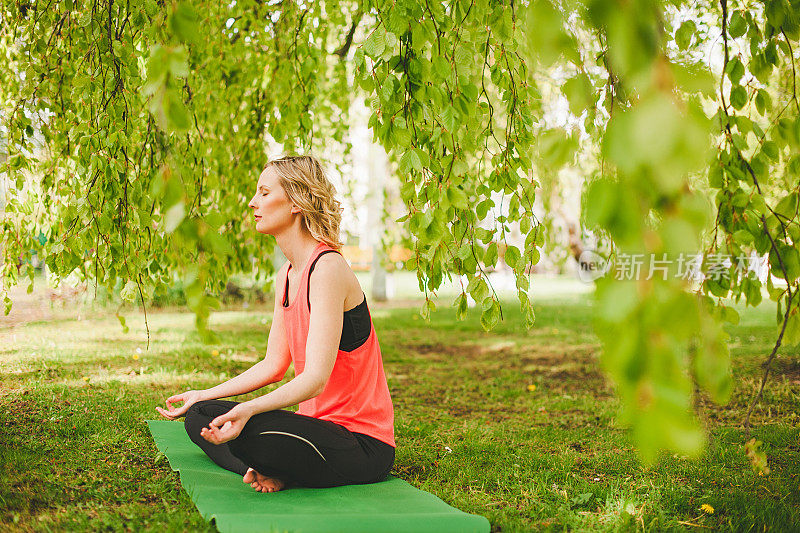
x,y
286,289
310,270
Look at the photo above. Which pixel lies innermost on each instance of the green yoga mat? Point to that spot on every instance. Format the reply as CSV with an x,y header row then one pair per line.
x,y
386,507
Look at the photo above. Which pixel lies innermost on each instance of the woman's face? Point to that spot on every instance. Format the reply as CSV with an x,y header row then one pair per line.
x,y
272,209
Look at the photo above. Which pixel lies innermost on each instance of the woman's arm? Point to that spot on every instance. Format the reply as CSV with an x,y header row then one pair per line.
x,y
328,293
270,369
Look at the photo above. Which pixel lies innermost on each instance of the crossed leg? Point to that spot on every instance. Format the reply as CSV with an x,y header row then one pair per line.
x,y
198,417
277,449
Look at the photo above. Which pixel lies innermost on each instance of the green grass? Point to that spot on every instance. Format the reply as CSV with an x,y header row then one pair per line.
x,y
75,453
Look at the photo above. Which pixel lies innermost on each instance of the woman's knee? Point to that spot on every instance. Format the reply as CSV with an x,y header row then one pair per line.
x,y
209,408
195,420
201,413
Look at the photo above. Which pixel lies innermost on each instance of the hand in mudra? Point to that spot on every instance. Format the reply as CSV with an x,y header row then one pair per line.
x,y
225,427
188,398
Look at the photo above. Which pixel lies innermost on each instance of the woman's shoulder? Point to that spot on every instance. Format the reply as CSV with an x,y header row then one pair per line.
x,y
333,269
332,264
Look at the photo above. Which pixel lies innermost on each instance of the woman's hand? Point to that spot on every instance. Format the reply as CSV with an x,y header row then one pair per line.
x,y
227,426
188,398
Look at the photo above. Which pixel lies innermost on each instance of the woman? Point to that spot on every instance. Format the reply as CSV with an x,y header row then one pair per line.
x,y
343,431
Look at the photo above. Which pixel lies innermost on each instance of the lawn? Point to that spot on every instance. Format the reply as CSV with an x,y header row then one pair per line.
x,y
75,453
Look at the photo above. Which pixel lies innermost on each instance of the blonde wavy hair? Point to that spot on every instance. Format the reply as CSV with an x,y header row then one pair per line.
x,y
308,187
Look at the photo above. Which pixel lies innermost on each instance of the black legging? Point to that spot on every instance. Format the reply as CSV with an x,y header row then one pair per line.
x,y
295,448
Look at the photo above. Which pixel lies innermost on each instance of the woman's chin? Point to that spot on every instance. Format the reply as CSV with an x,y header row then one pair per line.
x,y
264,231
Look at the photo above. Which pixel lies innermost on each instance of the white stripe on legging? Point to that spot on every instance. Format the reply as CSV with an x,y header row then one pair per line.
x,y
293,435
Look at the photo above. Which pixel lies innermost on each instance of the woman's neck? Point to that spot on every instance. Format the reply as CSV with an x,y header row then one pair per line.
x,y
298,252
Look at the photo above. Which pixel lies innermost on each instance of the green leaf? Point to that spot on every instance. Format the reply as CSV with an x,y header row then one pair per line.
x,y
787,207
414,160
483,208
797,140
128,293
460,167
715,177
737,25
423,157
391,40
402,137
375,43
218,243
789,261
183,22
404,165
491,256
174,216
752,290
478,289
463,56
441,66
512,256
465,251
448,117
419,36
491,314
175,111
763,102
579,93
457,197
791,335
684,34
616,299
547,39
156,70
599,202
150,6
679,235
556,147
738,97
178,62
484,235
735,70
461,306
125,328
694,78
729,314
775,12
771,149
760,68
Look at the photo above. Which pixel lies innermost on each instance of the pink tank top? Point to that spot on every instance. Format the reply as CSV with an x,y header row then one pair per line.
x,y
356,395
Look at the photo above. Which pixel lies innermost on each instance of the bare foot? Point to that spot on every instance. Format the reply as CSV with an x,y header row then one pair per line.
x,y
262,483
